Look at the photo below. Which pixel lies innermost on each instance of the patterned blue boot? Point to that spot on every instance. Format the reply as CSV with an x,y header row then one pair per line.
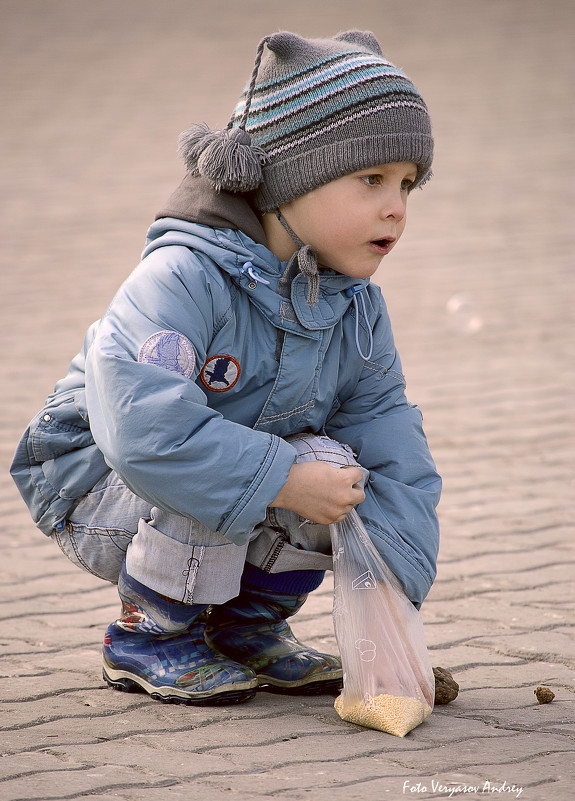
x,y
158,646
252,629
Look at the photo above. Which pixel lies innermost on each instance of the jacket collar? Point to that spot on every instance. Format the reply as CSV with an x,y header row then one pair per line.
x,y
226,228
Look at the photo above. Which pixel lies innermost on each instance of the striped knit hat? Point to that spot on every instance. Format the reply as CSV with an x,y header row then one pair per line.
x,y
314,110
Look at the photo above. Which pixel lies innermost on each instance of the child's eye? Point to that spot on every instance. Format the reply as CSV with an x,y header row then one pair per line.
x,y
372,180
376,180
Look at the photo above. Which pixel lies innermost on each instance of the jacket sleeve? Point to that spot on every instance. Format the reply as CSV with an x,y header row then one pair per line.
x,y
56,461
385,432
153,424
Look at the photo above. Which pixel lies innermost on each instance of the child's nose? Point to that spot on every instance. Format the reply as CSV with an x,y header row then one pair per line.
x,y
394,206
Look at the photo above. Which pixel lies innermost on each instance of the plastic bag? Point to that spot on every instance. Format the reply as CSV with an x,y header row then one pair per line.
x,y
388,681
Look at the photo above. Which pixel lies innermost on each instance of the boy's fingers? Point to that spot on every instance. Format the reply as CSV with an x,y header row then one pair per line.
x,y
357,491
360,496
357,476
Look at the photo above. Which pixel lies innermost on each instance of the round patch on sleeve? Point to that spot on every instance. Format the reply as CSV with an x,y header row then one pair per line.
x,y
169,350
220,372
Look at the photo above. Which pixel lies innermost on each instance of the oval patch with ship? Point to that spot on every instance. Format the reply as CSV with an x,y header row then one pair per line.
x,y
169,350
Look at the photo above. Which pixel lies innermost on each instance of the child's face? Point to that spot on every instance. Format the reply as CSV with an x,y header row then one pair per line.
x,y
354,221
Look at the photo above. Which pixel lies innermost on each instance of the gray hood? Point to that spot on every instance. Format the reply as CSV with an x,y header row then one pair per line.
x,y
196,200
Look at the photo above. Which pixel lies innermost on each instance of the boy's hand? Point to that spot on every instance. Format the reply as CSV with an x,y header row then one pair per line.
x,y
320,492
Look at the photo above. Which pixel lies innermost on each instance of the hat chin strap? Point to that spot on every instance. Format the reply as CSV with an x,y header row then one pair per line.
x,y
307,264
306,260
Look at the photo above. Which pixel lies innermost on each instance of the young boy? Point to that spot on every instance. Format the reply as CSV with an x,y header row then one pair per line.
x,y
193,452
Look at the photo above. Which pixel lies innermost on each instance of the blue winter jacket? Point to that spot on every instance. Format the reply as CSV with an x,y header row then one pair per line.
x,y
204,361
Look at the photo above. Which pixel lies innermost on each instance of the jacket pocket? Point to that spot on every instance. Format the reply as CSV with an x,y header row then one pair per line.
x,y
50,438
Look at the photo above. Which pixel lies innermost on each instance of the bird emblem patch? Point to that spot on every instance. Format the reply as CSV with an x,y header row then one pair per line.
x,y
220,372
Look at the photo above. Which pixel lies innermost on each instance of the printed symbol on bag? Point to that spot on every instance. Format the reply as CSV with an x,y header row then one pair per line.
x,y
367,650
364,582
368,702
363,537
339,554
339,606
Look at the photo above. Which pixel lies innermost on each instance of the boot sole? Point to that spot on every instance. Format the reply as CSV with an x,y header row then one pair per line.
x,y
316,687
128,683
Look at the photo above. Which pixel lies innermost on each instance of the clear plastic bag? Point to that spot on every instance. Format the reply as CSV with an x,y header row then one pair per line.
x,y
388,681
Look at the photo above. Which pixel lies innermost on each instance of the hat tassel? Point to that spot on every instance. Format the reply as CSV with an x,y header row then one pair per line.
x,y
227,158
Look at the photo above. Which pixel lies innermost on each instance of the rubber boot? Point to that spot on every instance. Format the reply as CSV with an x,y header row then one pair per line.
x,y
252,629
158,645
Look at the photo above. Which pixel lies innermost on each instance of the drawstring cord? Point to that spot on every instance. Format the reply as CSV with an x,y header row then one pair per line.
x,y
353,293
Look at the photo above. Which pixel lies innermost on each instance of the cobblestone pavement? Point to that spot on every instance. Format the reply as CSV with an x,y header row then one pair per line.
x,y
481,294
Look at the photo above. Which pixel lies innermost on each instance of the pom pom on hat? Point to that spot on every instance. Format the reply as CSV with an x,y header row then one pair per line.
x,y
227,158
192,142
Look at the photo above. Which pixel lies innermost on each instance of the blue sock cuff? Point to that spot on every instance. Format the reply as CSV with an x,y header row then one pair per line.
x,y
290,582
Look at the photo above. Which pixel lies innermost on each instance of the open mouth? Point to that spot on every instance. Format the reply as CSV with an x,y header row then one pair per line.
x,y
384,244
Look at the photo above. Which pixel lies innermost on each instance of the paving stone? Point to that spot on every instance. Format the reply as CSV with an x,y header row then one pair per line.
x,y
78,781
